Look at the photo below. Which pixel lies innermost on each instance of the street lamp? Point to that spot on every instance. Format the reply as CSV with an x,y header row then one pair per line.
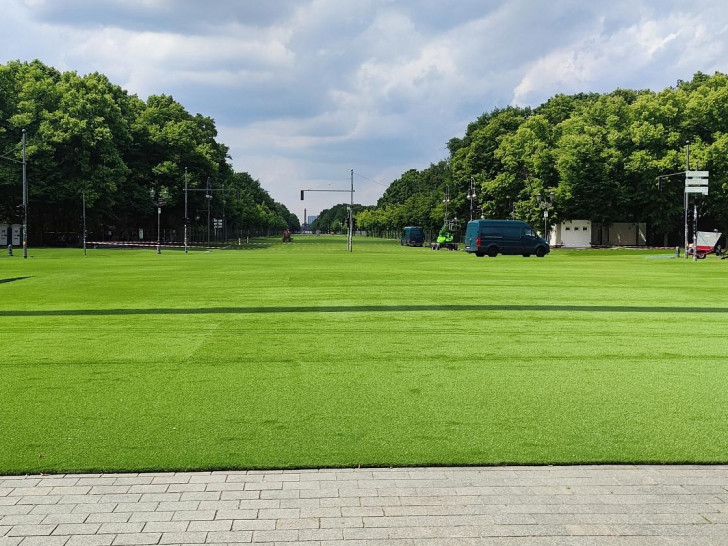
x,y
25,203
187,220
471,195
159,201
545,203
83,198
24,162
446,200
208,196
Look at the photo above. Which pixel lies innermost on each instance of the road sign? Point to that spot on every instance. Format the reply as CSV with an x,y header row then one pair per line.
x,y
696,182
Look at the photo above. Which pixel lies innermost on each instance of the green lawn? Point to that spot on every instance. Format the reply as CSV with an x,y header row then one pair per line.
x,y
305,355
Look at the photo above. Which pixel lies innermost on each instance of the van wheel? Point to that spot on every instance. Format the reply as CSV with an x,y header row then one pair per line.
x,y
492,252
540,252
480,254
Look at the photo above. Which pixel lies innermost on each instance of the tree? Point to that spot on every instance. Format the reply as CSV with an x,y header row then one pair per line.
x,y
600,154
87,136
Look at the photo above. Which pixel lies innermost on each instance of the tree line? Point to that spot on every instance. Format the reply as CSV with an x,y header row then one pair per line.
x,y
87,137
586,156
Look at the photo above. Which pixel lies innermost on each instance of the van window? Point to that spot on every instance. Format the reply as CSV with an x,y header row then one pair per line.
x,y
528,232
492,231
512,232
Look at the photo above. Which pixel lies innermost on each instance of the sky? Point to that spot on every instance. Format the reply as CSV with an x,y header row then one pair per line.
x,y
304,91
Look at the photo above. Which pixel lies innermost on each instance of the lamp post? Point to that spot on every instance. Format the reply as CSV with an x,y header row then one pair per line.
x,y
471,195
350,232
24,162
83,197
209,200
159,201
446,200
545,203
224,223
685,198
187,220
25,203
208,197
351,216
159,224
662,179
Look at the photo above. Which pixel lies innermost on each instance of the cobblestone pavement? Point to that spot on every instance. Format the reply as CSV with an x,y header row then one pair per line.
x,y
503,505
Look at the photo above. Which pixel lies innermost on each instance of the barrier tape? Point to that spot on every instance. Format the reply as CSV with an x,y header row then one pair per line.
x,y
165,245
126,243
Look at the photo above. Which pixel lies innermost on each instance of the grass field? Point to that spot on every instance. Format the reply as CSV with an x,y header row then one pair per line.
x,y
305,355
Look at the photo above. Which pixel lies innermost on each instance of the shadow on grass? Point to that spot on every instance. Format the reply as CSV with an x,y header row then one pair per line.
x,y
248,246
357,309
11,279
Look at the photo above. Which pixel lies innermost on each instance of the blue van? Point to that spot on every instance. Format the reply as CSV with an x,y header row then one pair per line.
x,y
493,237
412,236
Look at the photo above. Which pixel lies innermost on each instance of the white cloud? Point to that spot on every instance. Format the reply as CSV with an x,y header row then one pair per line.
x,y
140,58
305,90
649,53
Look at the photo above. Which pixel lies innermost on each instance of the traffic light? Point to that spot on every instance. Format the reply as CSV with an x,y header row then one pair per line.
x,y
302,194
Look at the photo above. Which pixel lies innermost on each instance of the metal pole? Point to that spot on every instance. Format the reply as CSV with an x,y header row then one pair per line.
x,y
186,219
695,230
159,233
685,200
208,196
84,222
351,215
447,200
25,203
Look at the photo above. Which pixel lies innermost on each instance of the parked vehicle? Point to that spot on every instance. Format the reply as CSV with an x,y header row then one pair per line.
x,y
493,237
445,239
707,244
412,236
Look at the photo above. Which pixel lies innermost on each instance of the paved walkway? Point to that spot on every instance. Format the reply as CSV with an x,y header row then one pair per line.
x,y
505,505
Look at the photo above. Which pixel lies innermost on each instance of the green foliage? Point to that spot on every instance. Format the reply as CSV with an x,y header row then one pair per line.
x,y
600,155
336,218
414,199
88,136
